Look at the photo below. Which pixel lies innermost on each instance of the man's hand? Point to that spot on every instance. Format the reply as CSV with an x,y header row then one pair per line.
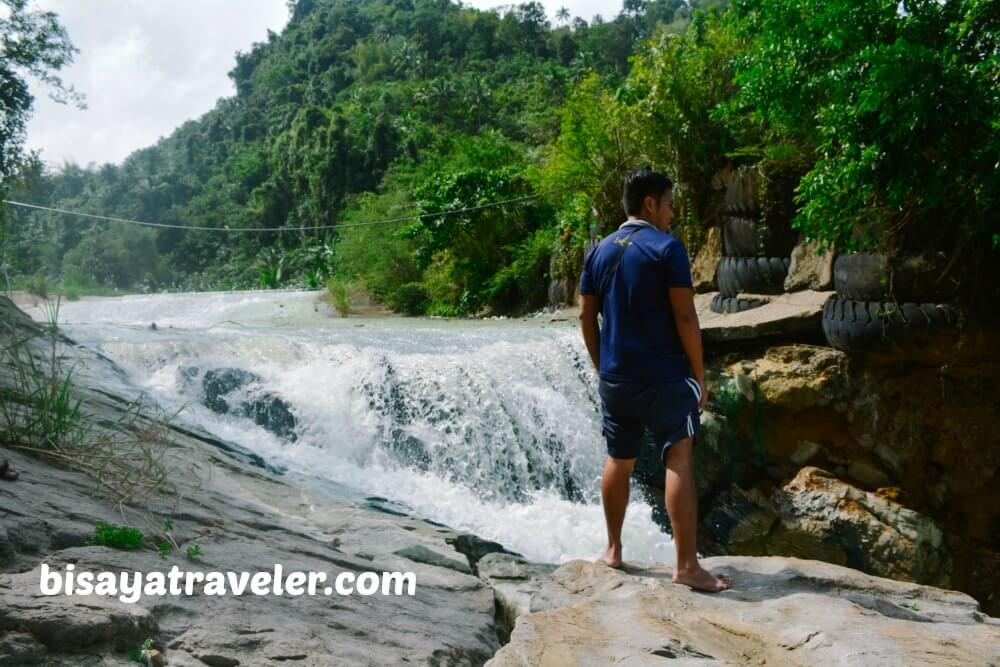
x,y
589,307
689,331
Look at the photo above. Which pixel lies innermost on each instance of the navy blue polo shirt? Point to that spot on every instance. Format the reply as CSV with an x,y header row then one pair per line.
x,y
639,341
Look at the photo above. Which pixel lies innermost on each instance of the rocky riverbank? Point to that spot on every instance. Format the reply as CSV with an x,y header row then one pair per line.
x,y
780,611
472,597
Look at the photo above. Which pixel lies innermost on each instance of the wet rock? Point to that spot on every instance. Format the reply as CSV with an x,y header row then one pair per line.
x,y
217,382
245,519
475,548
265,408
271,413
421,554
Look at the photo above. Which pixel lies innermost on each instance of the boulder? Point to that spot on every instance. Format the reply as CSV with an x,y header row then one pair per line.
x,y
265,408
779,611
820,516
922,434
706,260
811,268
514,581
795,377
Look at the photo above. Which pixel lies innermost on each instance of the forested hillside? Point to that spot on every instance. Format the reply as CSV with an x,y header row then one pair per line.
x,y
869,125
357,111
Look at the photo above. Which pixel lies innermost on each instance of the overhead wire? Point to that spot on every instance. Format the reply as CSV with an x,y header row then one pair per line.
x,y
160,225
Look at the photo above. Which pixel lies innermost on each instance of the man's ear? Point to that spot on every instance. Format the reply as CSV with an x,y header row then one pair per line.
x,y
651,203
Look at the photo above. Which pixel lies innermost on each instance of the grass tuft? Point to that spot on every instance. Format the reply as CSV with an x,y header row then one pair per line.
x,y
42,415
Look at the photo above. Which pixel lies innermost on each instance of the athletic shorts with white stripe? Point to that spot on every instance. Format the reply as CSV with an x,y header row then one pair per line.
x,y
669,410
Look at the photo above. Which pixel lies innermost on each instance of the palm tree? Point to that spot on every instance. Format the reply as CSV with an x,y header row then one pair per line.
x,y
562,15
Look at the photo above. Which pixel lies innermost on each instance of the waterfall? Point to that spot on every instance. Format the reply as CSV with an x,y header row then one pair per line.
x,y
487,426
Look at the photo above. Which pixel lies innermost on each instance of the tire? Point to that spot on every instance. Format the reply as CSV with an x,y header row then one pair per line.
x,y
749,237
752,275
861,326
871,277
742,193
739,237
725,305
861,276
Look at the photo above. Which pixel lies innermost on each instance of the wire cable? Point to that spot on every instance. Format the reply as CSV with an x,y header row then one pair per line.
x,y
161,225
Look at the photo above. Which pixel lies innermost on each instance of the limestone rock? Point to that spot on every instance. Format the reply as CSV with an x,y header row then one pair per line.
x,y
779,611
820,516
20,648
515,581
71,622
788,317
246,518
421,554
706,260
796,377
810,268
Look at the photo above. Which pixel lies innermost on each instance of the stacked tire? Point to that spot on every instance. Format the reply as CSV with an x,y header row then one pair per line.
x,y
757,256
877,304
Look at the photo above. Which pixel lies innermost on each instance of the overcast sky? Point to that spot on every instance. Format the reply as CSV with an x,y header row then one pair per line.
x,y
146,66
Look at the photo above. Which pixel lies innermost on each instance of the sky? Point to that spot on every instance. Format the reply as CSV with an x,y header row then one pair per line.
x,y
146,66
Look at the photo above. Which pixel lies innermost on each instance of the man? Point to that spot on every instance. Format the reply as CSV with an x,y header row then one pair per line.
x,y
648,354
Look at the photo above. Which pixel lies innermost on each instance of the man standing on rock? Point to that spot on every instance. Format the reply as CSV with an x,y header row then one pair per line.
x,y
647,352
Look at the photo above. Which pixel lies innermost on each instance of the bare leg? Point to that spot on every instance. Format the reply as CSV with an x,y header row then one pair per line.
x,y
614,496
682,506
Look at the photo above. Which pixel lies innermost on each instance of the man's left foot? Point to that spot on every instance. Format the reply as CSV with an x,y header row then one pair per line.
x,y
611,558
701,579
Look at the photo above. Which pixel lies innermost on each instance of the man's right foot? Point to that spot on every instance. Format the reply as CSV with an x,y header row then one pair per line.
x,y
611,558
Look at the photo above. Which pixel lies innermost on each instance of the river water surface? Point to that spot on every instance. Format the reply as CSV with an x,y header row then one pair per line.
x,y
492,427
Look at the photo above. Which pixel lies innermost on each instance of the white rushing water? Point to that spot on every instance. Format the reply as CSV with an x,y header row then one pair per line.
x,y
487,426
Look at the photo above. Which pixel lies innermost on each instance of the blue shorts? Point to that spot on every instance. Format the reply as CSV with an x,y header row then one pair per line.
x,y
669,410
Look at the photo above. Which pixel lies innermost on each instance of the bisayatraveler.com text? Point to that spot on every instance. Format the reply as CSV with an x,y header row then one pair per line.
x,y
131,586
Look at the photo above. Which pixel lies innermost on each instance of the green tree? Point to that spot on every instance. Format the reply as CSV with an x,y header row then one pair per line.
x,y
898,104
31,43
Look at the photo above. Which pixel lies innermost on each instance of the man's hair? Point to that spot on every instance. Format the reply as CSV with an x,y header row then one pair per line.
x,y
642,183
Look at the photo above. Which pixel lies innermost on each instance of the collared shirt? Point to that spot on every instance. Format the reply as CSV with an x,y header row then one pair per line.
x,y
639,340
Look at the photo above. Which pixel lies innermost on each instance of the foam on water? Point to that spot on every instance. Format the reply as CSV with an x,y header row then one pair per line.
x,y
490,427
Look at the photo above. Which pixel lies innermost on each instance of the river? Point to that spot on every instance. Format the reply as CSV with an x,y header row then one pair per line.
x,y
488,426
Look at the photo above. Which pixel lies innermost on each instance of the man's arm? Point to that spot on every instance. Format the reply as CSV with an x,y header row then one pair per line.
x,y
682,303
589,307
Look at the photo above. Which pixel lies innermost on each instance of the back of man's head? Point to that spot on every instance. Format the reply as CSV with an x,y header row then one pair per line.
x,y
642,183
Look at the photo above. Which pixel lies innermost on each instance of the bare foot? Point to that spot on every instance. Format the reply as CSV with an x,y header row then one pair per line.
x,y
701,579
611,558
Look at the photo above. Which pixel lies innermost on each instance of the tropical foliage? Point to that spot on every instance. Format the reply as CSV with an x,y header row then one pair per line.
x,y
873,122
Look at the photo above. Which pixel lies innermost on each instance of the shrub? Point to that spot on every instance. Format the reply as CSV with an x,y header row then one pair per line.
x,y
340,294
898,104
118,537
